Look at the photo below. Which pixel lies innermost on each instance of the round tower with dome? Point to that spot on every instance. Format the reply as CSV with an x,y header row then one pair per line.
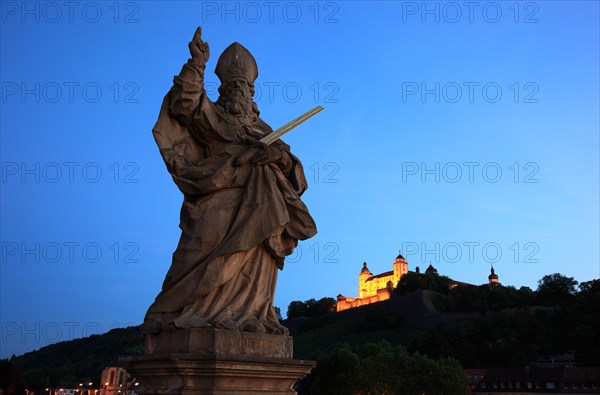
x,y
493,277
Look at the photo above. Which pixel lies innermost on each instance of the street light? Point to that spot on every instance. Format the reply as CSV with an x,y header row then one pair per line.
x,y
84,388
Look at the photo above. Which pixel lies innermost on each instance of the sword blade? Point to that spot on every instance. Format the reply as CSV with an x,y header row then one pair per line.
x,y
271,138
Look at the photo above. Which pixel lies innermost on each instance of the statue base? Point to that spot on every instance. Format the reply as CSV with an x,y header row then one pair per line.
x,y
215,361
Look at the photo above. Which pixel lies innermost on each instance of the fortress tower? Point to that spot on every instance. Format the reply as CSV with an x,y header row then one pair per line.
x,y
364,275
400,269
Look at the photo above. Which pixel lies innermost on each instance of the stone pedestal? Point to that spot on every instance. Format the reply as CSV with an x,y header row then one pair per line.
x,y
214,361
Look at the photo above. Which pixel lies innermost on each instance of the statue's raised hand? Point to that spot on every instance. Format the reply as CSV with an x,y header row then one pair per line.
x,y
198,48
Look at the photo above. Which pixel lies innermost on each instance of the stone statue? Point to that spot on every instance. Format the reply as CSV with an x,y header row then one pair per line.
x,y
241,214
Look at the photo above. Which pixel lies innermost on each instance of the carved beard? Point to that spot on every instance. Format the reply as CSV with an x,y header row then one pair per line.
x,y
236,103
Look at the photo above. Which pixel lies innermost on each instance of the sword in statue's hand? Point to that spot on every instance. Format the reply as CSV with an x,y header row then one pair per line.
x,y
272,137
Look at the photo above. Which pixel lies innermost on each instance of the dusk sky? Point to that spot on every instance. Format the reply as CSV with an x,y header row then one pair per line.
x,y
461,133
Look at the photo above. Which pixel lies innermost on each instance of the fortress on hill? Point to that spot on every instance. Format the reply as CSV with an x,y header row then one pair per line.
x,y
379,287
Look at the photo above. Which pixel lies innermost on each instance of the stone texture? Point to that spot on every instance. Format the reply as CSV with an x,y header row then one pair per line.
x,y
220,343
216,361
187,374
242,213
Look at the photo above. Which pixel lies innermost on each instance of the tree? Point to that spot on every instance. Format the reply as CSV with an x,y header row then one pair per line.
x,y
409,282
296,309
589,288
336,373
469,298
587,332
278,312
380,368
311,307
73,360
436,283
556,288
525,296
324,306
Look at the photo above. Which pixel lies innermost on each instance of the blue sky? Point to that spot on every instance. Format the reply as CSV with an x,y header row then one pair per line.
x,y
462,136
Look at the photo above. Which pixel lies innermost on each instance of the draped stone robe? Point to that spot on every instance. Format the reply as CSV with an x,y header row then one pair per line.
x,y
238,222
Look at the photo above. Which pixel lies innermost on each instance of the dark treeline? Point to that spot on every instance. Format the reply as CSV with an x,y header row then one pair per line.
x,y
311,307
68,363
519,325
514,328
380,368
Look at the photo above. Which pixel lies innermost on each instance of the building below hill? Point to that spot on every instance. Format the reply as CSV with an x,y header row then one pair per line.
x,y
474,377
379,287
561,380
116,381
552,361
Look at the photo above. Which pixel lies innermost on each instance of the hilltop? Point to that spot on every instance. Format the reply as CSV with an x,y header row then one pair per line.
x,y
478,326
69,362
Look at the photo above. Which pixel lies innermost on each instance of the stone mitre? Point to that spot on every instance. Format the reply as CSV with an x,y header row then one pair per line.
x,y
236,62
